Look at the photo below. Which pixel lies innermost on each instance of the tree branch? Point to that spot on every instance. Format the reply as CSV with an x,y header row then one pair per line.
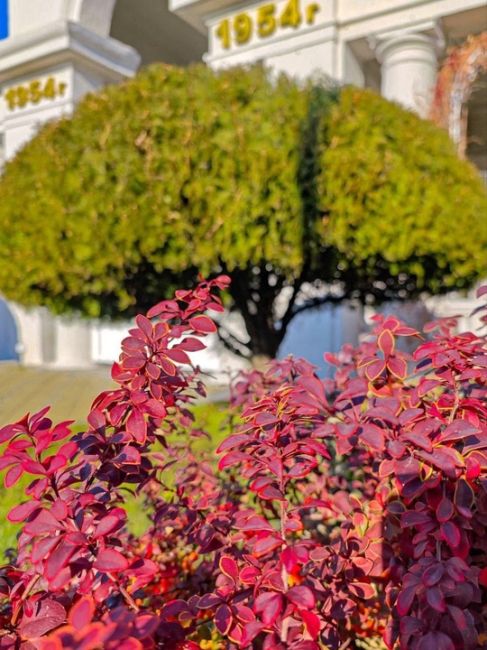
x,y
317,302
232,343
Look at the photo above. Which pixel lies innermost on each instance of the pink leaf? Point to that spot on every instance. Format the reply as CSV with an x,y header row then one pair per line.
x,y
374,369
13,475
301,596
270,604
144,325
202,324
109,559
22,511
107,525
229,567
385,343
44,522
191,344
233,441
362,590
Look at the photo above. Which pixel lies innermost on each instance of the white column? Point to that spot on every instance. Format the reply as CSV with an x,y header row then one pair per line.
x,y
408,67
56,52
73,343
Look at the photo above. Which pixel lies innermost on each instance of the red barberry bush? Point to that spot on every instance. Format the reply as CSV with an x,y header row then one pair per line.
x,y
341,511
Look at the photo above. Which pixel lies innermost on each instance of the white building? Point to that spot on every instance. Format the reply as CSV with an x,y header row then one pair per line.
x,y
54,51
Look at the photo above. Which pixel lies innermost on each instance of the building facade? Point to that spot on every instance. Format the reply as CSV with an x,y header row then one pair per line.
x,y
52,53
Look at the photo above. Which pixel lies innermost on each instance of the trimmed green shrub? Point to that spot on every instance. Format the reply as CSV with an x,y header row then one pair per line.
x,y
269,181
397,195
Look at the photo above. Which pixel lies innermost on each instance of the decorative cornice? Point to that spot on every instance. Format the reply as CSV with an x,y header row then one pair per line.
x,y
61,41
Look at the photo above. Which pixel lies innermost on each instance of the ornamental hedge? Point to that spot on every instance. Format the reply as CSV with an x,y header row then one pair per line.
x,y
347,513
274,183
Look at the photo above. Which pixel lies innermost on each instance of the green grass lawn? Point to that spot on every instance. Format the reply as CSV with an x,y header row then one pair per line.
x,y
210,417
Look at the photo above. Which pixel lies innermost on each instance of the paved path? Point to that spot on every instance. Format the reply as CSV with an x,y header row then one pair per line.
x,y
69,392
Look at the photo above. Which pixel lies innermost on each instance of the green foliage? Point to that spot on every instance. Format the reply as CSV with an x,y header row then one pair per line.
x,y
171,171
395,193
184,170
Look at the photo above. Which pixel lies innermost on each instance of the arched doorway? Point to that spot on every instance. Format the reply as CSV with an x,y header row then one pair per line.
x,y
459,83
156,33
476,131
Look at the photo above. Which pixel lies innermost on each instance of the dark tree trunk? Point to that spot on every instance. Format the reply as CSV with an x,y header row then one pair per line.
x,y
254,295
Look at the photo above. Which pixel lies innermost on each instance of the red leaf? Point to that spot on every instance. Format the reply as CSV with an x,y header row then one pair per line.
x,y
96,419
301,596
457,430
128,456
269,604
81,614
209,601
444,510
266,545
256,523
435,641
419,439
405,600
190,344
312,623
435,599
43,547
483,577
136,426
49,615
451,534
362,590
373,437
109,559
106,525
270,493
59,510
170,306
59,559
223,619
233,441
44,522
233,458
13,475
144,325
250,631
229,567
314,387
433,574
22,511
152,370
178,355
202,324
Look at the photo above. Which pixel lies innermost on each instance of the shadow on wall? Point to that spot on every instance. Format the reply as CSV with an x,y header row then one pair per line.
x,y
8,334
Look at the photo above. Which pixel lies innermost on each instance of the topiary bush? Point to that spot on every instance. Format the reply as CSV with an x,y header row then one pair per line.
x,y
276,184
342,511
